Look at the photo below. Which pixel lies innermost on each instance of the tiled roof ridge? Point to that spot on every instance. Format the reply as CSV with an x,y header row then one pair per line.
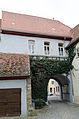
x,y
38,17
29,15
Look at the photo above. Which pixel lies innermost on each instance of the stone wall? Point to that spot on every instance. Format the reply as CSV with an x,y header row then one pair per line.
x,y
29,98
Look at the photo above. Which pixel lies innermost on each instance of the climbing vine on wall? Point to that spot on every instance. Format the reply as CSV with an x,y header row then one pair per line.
x,y
71,53
43,69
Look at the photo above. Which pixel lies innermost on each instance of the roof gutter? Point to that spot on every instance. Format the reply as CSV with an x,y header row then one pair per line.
x,y
14,77
38,34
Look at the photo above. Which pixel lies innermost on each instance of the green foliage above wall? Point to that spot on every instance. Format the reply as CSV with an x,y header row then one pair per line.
x,y
43,69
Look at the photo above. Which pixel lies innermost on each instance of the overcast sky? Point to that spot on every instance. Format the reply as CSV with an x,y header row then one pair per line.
x,y
66,11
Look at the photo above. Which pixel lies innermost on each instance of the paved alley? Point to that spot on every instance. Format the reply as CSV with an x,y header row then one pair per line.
x,y
59,110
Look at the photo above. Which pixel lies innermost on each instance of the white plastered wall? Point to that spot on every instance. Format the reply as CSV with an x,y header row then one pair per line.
x,y
75,76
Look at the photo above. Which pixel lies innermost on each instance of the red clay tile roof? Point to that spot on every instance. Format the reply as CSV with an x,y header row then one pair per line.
x,y
14,64
75,32
33,24
75,36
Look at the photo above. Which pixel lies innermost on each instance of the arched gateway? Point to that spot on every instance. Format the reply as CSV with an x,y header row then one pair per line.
x,y
65,85
44,69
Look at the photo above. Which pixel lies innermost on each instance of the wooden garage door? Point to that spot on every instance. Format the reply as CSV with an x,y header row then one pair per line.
x,y
10,102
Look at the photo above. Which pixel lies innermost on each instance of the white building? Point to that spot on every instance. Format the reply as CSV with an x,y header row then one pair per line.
x,y
54,90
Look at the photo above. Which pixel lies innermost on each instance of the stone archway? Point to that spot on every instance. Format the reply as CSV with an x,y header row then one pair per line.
x,y
39,89
66,86
44,69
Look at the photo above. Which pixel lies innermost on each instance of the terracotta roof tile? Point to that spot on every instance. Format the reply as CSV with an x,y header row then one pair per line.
x,y
75,32
33,24
75,36
14,64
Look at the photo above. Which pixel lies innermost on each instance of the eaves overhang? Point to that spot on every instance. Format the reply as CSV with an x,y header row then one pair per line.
x,y
74,42
32,34
14,77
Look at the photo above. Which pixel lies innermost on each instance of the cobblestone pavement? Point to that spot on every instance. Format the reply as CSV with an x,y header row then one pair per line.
x,y
59,110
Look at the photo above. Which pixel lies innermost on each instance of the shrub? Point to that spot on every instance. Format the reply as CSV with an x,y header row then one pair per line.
x,y
39,103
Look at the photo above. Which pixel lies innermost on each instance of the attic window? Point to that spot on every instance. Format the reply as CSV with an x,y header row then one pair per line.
x,y
13,22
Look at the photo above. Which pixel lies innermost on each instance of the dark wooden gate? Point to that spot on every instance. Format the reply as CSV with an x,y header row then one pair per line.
x,y
10,102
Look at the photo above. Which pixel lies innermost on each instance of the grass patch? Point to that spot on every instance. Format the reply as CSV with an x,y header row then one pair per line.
x,y
32,112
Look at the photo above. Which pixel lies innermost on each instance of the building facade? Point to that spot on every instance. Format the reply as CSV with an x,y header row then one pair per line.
x,y
15,84
75,72
33,45
25,34
54,90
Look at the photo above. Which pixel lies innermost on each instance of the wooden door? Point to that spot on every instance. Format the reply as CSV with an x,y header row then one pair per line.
x,y
10,102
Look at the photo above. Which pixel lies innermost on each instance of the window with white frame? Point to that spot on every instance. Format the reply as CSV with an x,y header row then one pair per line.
x,y
47,48
31,44
60,49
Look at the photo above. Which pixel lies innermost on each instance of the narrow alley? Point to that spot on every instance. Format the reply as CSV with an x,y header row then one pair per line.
x,y
59,110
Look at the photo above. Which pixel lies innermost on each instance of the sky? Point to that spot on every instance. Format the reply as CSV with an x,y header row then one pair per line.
x,y
66,11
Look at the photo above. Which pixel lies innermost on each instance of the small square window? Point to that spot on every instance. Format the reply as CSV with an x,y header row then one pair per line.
x,y
52,82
